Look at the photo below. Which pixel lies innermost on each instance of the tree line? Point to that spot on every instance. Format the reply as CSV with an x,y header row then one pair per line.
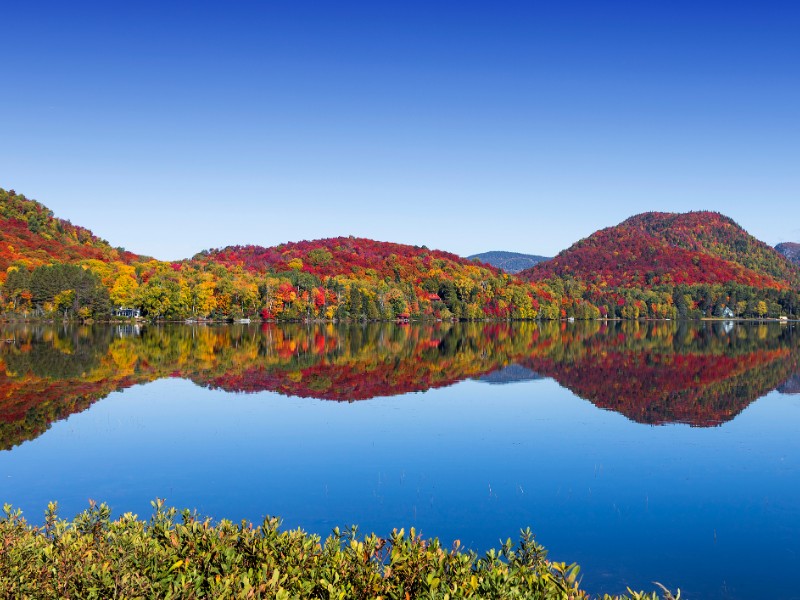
x,y
190,290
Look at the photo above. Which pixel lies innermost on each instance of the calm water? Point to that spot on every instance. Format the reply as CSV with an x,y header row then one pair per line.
x,y
643,451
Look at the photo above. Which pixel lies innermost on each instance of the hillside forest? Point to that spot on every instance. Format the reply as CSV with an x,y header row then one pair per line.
x,y
655,265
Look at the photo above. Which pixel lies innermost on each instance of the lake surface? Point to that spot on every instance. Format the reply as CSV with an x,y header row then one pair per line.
x,y
645,452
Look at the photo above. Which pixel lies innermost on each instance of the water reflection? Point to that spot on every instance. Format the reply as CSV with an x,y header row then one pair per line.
x,y
652,372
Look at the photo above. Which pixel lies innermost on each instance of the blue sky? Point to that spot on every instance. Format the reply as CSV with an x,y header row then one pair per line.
x,y
465,126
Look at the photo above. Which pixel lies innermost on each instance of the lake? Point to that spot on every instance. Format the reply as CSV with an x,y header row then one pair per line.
x,y
644,451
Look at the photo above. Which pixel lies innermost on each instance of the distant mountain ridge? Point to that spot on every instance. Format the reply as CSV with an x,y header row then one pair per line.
x,y
510,262
791,250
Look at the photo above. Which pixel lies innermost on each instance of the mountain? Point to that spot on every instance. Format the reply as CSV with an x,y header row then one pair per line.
x,y
510,262
32,236
671,248
791,250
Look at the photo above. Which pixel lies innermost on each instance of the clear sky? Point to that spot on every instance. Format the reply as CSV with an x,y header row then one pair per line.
x,y
467,126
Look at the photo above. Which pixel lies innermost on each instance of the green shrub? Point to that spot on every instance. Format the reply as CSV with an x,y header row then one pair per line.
x,y
93,556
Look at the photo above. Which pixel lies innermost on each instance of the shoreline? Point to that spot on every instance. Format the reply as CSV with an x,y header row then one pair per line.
x,y
258,321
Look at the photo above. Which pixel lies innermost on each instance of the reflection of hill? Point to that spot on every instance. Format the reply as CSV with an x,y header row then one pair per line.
x,y
671,372
47,375
647,387
510,374
651,372
366,362
30,405
791,385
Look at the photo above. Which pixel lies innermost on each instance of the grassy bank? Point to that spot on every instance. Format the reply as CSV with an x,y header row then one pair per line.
x,y
178,555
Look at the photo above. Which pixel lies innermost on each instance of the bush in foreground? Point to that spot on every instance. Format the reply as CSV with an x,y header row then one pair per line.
x,y
93,556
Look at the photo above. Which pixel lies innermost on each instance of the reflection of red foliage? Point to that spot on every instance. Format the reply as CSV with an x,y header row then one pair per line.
x,y
649,387
652,373
29,405
342,383
360,379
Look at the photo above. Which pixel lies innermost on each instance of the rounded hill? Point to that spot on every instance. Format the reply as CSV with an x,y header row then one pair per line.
x,y
347,256
655,248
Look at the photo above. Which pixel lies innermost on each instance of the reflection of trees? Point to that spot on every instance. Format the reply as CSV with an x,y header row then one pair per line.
x,y
663,372
363,363
50,373
68,353
700,389
653,372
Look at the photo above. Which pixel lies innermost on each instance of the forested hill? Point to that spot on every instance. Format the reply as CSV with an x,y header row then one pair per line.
x,y
652,265
654,249
790,250
347,276
52,269
719,236
666,265
346,256
510,262
32,236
